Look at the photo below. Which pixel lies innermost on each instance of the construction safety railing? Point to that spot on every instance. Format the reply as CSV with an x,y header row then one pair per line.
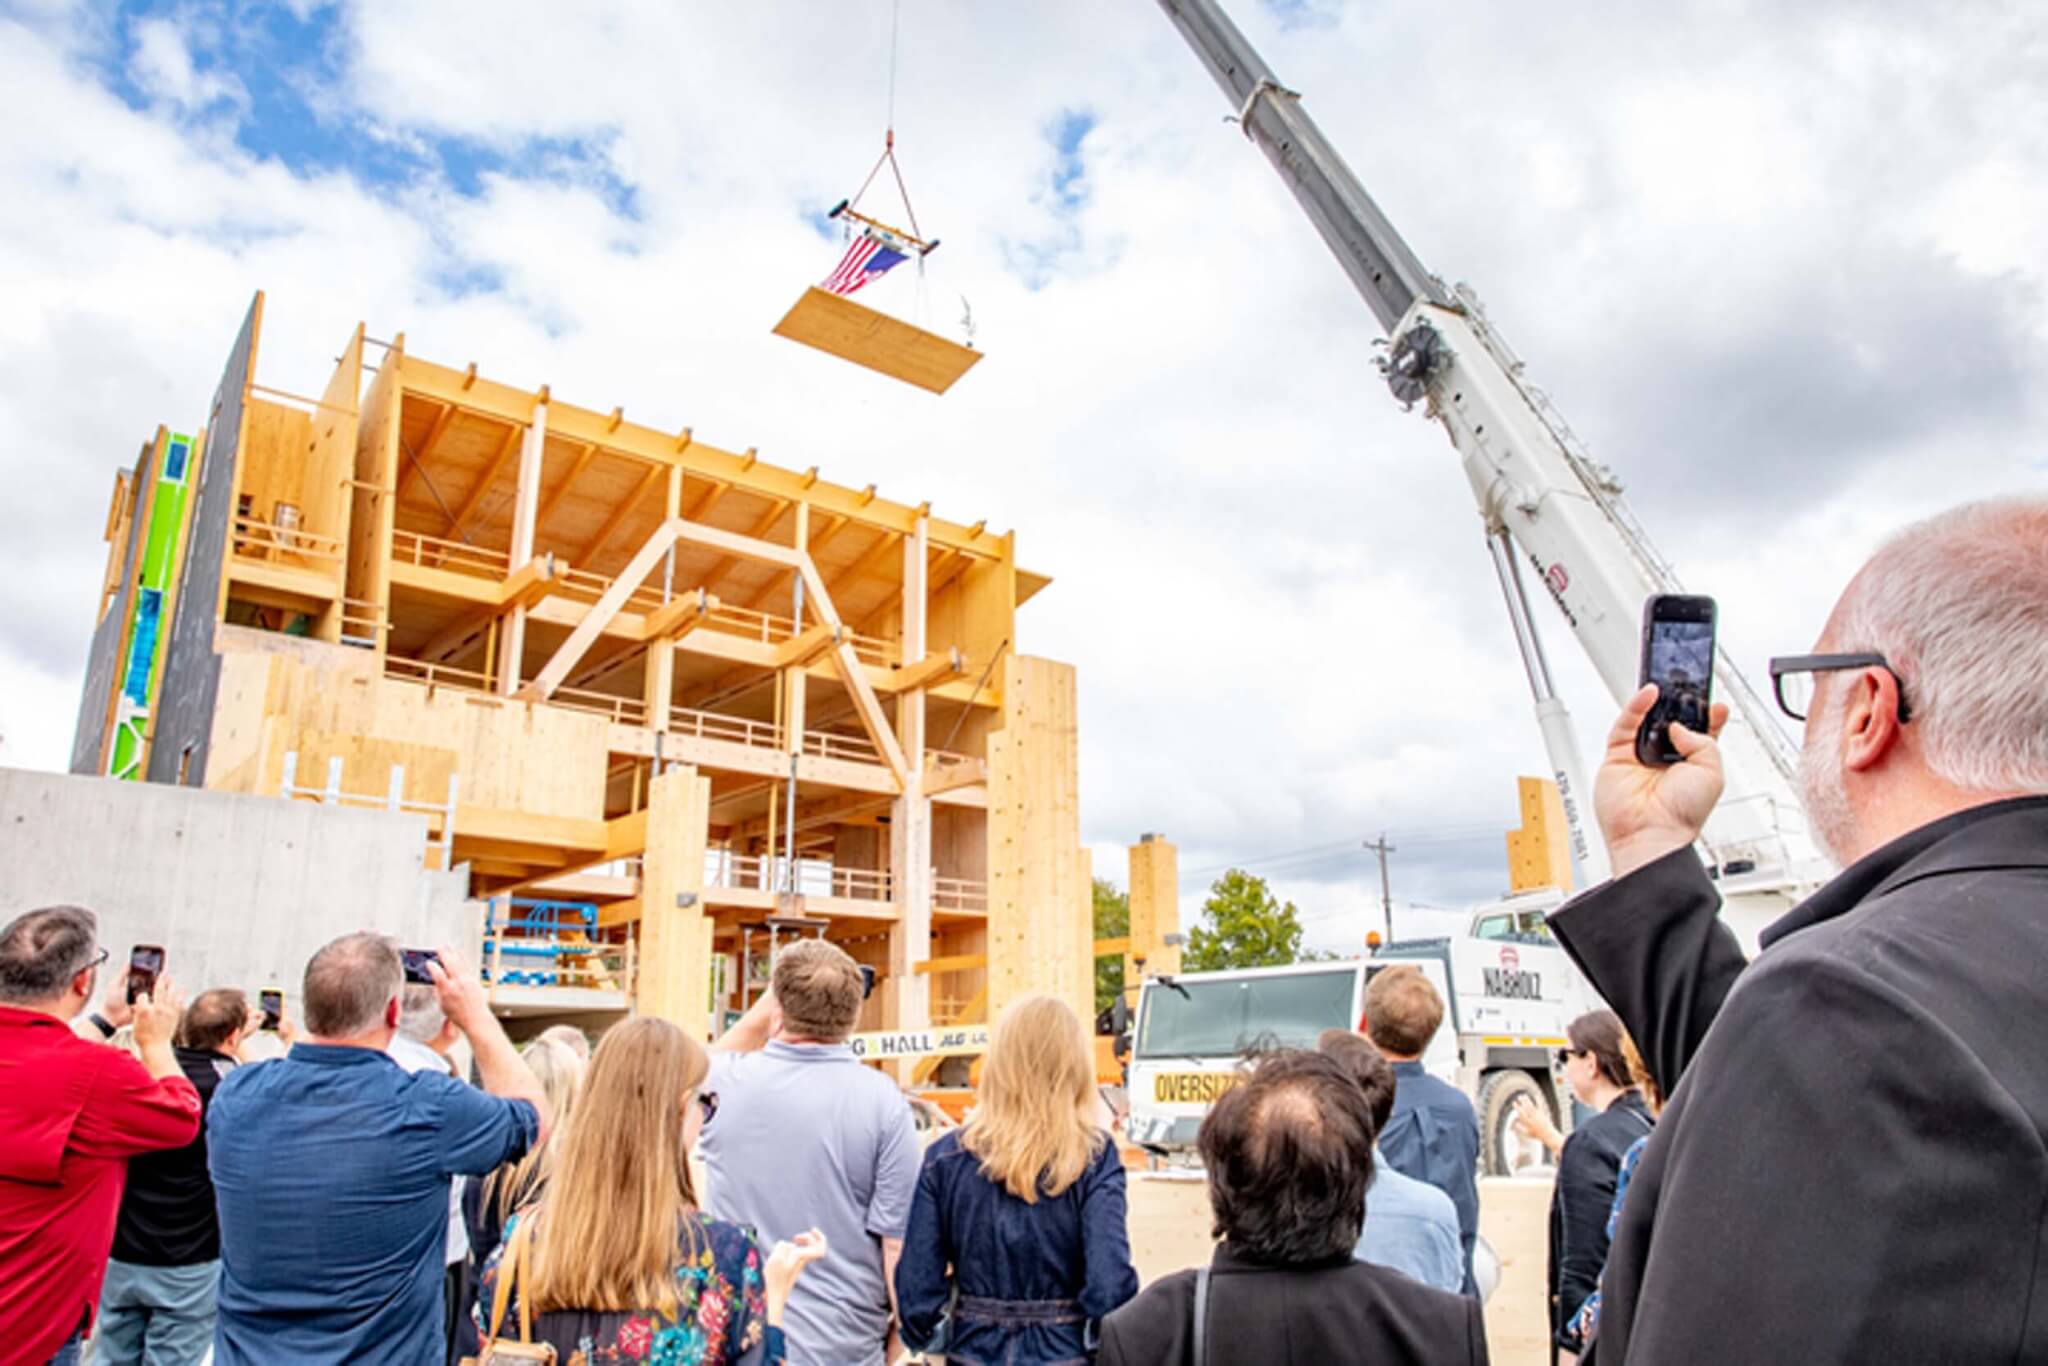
x,y
831,745
814,877
261,540
362,623
960,894
436,675
627,711
393,799
705,725
431,552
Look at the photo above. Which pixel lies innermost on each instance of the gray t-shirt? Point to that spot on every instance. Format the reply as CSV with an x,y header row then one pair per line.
x,y
808,1137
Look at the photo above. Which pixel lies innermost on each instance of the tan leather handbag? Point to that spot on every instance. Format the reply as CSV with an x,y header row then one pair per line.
x,y
503,1351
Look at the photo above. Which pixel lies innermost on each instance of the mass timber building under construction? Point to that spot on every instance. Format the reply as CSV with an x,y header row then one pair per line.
x,y
666,703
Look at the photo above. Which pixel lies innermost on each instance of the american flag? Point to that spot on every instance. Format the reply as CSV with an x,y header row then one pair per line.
x,y
866,259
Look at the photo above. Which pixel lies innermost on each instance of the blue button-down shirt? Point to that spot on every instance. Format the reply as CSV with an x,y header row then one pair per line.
x,y
1433,1136
332,1167
1412,1227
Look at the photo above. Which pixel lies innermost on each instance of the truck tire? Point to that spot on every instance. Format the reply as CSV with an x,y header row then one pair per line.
x,y
1503,1152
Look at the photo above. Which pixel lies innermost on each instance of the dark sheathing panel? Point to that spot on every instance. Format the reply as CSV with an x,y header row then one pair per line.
x,y
191,668
103,662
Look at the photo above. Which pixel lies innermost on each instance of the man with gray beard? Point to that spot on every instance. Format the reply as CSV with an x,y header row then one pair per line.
x,y
1853,1166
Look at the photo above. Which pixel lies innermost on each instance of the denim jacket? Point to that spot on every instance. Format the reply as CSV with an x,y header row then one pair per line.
x,y
1034,1280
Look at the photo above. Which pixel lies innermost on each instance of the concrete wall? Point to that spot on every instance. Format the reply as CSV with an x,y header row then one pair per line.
x,y
240,890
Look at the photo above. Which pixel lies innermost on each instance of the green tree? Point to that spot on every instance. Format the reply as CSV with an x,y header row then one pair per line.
x,y
1112,921
1244,926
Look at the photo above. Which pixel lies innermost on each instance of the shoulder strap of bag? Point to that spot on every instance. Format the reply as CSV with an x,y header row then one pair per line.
x,y
512,1271
1202,1317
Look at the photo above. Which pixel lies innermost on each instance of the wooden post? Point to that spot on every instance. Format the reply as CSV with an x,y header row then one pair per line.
x,y
660,691
907,998
1040,933
1155,911
675,940
525,509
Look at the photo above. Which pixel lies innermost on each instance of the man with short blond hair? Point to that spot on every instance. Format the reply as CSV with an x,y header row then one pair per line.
x,y
1433,1134
806,1136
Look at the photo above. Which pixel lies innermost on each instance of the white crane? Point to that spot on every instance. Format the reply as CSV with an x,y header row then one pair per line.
x,y
1541,497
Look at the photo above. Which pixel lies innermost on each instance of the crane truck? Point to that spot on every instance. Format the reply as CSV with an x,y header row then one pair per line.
x,y
1543,502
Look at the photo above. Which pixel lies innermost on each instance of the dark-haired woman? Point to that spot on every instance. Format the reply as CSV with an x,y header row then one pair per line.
x,y
1596,1066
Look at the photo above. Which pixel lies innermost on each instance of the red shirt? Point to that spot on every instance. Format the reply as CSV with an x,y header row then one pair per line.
x,y
71,1115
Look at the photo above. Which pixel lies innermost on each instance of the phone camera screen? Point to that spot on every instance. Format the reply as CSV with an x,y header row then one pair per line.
x,y
416,961
1682,667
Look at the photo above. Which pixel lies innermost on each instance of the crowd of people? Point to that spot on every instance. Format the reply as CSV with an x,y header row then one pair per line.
x,y
401,1184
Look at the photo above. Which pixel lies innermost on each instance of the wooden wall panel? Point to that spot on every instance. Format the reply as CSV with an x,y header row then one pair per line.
x,y
1041,936
675,941
374,501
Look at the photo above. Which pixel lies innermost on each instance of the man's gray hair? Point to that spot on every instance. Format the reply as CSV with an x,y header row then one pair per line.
x,y
41,951
1959,605
419,1013
348,984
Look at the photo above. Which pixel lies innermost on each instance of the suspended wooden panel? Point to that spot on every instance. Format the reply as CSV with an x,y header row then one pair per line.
x,y
857,333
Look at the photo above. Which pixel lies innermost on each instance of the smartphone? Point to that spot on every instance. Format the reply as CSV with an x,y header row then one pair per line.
x,y
273,1009
145,964
416,961
1678,656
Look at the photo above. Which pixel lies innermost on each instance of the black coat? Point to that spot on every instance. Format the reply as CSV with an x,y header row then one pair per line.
x,y
1339,1310
1583,1197
1854,1165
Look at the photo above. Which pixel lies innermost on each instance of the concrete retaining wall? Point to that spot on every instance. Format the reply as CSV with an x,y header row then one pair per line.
x,y
240,890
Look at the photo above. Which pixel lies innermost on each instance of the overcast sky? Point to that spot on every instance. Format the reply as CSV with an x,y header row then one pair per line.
x,y
1781,266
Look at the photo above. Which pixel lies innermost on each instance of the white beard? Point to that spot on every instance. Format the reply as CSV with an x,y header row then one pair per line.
x,y
1821,790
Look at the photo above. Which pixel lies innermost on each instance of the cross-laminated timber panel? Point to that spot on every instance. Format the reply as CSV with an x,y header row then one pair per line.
x,y
1040,923
1155,912
675,931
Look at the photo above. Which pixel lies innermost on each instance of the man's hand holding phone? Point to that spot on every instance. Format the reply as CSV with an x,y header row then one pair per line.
x,y
460,992
156,1023
1649,810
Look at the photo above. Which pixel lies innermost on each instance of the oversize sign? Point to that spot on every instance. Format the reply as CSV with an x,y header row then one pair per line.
x,y
1192,1088
919,1043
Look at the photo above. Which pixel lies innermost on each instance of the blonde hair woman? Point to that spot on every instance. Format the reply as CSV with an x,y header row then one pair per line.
x,y
1017,1246
619,1263
489,1202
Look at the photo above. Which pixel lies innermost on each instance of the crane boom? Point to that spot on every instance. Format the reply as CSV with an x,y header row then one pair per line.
x,y
1543,499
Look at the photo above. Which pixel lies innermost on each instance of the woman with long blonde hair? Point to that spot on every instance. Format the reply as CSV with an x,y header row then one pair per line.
x,y
616,1262
487,1203
1017,1246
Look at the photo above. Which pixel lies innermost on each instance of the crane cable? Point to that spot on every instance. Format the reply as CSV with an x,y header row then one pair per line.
x,y
888,156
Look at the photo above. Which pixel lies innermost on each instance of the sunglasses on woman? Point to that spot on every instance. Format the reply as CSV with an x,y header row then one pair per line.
x,y
1565,1055
707,1104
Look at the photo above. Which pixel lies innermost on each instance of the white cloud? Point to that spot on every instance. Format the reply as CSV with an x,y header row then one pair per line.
x,y
1700,225
162,67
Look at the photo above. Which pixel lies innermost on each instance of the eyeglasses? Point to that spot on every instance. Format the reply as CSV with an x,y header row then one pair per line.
x,y
1792,679
1565,1055
97,959
707,1104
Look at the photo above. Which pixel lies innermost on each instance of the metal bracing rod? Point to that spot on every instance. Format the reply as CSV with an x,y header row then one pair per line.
x,y
1534,662
796,746
1379,262
1553,719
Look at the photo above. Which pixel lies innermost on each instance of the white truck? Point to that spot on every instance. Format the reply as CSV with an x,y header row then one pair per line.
x,y
1508,989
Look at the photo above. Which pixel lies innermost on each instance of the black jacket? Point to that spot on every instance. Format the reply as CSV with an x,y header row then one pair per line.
x,y
1854,1164
1338,1310
1581,1200
167,1208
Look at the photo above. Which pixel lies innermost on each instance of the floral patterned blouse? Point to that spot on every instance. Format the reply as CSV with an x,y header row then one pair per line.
x,y
721,1314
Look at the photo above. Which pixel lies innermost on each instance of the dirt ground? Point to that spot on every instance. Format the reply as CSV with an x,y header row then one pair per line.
x,y
1170,1230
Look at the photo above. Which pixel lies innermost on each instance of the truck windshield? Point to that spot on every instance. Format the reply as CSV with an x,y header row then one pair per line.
x,y
1222,1019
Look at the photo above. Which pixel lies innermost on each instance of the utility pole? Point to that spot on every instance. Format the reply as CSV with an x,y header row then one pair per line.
x,y
1382,848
